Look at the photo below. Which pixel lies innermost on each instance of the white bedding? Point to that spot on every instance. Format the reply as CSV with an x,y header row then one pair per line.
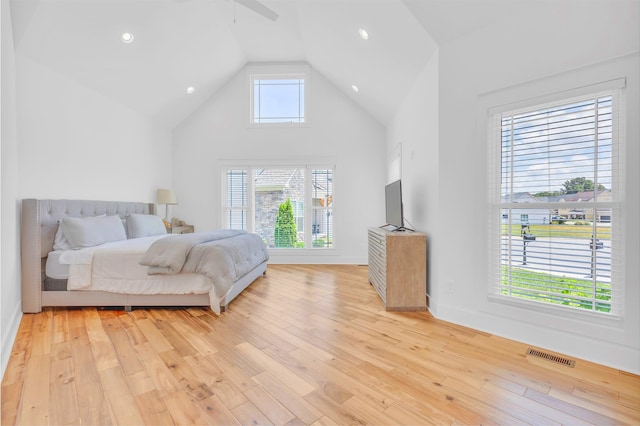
x,y
114,267
54,269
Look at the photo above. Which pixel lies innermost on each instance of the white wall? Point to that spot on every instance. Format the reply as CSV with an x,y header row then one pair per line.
x,y
415,127
580,43
339,130
77,143
10,312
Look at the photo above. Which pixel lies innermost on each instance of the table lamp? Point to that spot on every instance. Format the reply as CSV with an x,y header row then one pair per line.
x,y
166,197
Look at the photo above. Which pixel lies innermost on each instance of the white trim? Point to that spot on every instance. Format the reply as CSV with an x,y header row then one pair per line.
x,y
8,339
542,331
562,96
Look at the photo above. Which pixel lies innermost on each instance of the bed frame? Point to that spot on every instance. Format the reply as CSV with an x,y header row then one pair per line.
x,y
39,225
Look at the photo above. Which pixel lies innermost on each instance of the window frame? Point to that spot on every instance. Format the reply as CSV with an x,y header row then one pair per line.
x,y
497,203
279,72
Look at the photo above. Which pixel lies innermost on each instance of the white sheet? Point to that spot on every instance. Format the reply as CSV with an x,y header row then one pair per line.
x,y
84,256
53,268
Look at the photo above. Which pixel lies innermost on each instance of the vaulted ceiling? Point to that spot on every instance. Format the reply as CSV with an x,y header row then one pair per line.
x,y
203,43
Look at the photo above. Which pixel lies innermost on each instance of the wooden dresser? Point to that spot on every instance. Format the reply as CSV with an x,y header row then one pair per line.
x,y
398,268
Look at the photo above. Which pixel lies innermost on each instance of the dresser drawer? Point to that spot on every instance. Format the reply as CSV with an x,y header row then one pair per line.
x,y
377,240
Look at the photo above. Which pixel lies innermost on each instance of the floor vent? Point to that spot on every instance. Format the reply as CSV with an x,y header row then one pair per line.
x,y
550,357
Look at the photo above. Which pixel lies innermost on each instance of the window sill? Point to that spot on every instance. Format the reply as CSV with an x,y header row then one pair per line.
x,y
320,251
279,125
561,311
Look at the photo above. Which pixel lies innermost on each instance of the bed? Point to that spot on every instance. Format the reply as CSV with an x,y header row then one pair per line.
x,y
46,282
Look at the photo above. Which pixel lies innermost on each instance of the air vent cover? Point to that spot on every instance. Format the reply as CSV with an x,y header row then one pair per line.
x,y
550,357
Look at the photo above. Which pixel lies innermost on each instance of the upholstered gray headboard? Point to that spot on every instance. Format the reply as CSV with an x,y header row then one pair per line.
x,y
38,229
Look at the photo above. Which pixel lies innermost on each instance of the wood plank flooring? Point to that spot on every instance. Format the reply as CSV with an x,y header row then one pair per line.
x,y
303,345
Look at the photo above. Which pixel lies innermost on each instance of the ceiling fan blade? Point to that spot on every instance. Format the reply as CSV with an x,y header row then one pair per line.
x,y
259,8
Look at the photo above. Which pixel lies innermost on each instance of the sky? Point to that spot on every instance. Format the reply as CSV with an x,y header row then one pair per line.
x,y
549,146
278,101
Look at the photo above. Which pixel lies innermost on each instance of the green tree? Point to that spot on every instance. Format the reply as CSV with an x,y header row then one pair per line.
x,y
579,184
285,234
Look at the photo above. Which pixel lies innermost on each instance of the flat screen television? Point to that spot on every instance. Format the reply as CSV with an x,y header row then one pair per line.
x,y
393,204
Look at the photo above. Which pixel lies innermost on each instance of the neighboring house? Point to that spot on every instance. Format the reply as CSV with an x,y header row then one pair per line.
x,y
541,216
525,216
601,215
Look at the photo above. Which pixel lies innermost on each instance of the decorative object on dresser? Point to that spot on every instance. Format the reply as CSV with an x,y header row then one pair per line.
x,y
398,268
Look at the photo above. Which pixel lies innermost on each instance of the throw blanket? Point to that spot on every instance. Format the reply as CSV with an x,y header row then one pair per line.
x,y
167,256
223,256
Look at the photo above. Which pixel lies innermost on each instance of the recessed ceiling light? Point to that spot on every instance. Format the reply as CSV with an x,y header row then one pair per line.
x,y
127,38
191,89
355,88
363,33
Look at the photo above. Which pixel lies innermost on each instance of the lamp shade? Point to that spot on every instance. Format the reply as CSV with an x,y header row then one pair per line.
x,y
167,196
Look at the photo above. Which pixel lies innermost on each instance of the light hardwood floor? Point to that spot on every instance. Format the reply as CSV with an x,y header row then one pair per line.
x,y
304,345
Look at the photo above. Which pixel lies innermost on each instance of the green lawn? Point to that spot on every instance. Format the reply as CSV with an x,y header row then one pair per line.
x,y
551,288
561,231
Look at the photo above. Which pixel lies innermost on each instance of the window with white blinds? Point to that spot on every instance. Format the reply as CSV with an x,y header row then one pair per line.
x,y
289,207
556,203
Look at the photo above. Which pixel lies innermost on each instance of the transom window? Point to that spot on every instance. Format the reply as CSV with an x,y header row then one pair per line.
x,y
554,180
279,95
289,207
278,100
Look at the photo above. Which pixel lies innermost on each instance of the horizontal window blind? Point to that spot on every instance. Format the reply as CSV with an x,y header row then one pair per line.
x,y
235,210
555,203
322,207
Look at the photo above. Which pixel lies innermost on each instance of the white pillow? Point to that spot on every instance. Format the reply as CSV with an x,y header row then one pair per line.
x,y
92,231
144,225
60,242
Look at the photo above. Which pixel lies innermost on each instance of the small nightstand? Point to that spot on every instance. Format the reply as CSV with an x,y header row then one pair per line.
x,y
182,229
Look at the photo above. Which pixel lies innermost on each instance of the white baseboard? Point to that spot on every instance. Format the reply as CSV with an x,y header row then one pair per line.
x,y
610,354
9,337
278,259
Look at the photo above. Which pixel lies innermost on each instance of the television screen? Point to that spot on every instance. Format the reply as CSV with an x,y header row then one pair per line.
x,y
393,203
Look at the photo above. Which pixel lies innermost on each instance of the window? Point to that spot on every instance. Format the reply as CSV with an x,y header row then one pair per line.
x,y
278,100
289,207
555,167
279,95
